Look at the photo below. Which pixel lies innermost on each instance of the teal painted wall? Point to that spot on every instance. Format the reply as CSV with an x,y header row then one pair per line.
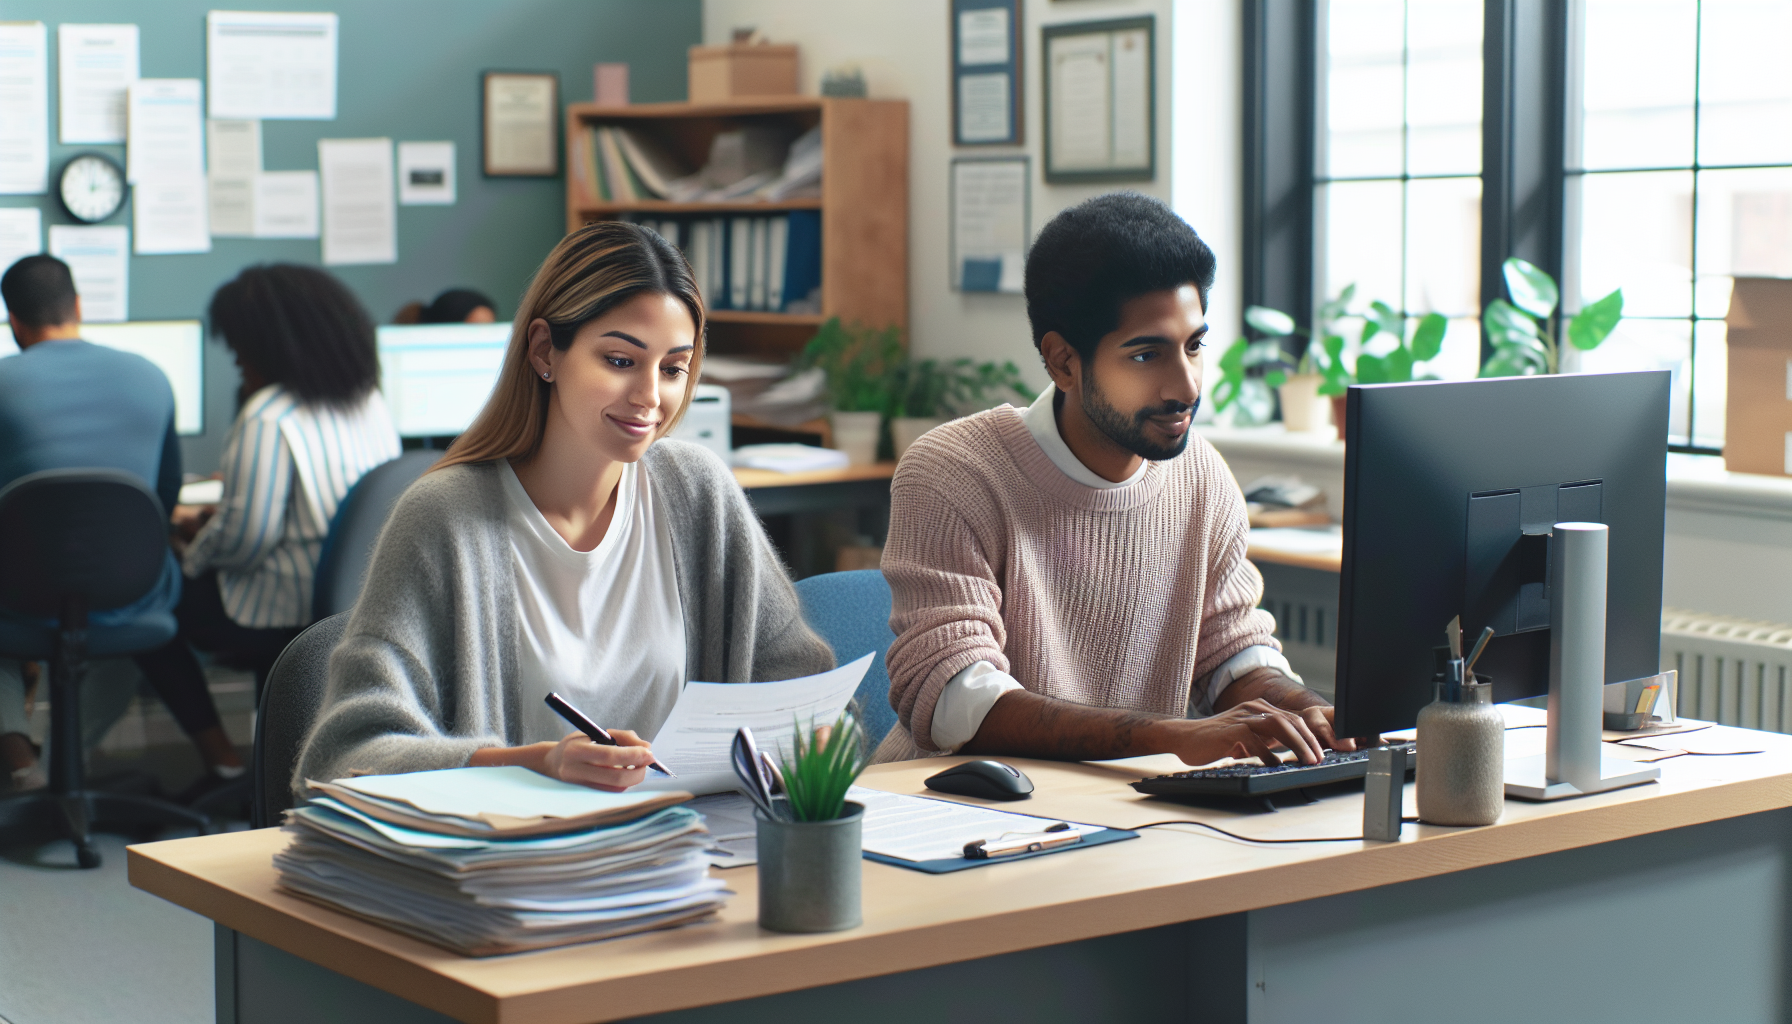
x,y
408,70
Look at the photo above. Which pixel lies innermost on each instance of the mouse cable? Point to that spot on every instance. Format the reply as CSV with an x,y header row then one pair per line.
x,y
1248,839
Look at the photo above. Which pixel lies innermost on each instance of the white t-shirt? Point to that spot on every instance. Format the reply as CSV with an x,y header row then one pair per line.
x,y
602,628
969,695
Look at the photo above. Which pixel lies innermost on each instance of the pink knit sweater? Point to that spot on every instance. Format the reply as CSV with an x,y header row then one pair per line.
x,y
1120,598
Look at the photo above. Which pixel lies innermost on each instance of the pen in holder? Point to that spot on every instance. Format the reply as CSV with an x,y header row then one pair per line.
x,y
1461,751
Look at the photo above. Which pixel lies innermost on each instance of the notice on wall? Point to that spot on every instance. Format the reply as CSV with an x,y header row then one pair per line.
x,y
984,107
169,215
100,260
989,224
260,64
230,207
285,204
95,65
24,109
426,173
233,147
166,135
360,218
21,235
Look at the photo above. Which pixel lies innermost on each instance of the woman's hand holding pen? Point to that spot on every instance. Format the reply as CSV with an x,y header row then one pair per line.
x,y
577,759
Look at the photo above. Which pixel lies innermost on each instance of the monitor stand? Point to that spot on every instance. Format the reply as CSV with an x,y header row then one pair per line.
x,y
1575,764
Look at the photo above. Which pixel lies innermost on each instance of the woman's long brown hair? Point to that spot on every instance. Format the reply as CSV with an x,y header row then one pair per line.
x,y
592,271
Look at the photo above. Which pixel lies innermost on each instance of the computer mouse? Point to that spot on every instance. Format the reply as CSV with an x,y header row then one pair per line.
x,y
986,780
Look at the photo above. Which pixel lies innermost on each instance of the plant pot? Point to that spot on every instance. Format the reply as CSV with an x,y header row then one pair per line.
x,y
1303,410
1339,404
905,429
855,433
809,872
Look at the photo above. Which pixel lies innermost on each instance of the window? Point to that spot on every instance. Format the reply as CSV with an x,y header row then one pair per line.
x,y
1679,176
1397,197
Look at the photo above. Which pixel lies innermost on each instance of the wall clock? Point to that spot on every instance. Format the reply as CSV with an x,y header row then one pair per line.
x,y
91,187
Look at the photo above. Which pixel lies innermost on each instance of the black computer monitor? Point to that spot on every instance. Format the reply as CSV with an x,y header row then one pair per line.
x,y
1450,491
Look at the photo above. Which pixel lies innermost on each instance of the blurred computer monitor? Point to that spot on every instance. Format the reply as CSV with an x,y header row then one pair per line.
x,y
1450,492
436,377
177,347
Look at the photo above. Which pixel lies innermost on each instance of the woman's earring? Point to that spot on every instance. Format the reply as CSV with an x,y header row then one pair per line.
x,y
544,376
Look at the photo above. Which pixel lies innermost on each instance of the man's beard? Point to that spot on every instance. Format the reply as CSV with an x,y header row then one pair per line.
x,y
1129,431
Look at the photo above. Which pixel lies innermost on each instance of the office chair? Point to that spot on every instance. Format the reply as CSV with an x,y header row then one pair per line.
x,y
289,704
348,547
75,541
851,611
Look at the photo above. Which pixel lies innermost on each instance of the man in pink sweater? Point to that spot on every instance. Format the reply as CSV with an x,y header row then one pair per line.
x,y
1070,580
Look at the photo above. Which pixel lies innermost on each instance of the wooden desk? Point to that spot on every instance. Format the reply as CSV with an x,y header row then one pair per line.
x,y
1113,923
1303,548
792,506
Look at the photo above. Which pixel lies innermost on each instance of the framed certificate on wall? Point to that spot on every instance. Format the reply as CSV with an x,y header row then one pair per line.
x,y
986,82
990,200
521,117
1100,100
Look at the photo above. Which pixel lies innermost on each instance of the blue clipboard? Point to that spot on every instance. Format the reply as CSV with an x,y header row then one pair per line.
x,y
950,864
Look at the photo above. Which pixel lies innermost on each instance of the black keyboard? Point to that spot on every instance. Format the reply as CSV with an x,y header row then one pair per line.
x,y
1261,780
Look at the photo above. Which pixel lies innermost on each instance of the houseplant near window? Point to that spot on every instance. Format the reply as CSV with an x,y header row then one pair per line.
x,y
858,362
809,861
927,392
1520,331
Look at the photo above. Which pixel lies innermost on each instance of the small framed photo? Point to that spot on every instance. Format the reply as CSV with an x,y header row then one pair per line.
x,y
521,117
986,68
1101,100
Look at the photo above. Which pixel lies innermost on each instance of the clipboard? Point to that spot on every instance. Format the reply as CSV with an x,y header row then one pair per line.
x,y
933,830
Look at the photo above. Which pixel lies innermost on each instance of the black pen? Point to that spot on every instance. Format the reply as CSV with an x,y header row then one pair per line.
x,y
592,729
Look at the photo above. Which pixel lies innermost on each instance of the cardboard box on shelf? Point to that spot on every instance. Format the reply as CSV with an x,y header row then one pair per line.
x,y
1758,415
740,71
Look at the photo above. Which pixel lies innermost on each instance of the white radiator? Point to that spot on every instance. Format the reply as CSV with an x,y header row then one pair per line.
x,y
1732,671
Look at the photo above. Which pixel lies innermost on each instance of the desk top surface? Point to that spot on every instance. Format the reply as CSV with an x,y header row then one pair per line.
x,y
1299,546
751,479
915,920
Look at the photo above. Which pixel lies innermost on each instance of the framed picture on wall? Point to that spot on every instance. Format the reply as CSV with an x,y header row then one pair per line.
x,y
986,82
990,223
1100,100
520,114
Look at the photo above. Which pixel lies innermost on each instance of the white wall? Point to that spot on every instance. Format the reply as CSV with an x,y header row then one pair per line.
x,y
903,48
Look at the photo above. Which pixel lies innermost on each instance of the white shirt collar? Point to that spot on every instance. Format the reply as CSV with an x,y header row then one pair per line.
x,y
1042,423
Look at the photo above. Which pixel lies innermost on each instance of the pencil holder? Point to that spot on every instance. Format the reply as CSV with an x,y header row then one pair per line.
x,y
809,872
1462,755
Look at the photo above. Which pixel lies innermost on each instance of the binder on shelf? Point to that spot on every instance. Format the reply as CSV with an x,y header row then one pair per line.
x,y
615,169
740,259
696,251
756,265
802,261
776,248
718,262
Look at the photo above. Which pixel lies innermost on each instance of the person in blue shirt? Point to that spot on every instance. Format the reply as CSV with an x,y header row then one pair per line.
x,y
66,404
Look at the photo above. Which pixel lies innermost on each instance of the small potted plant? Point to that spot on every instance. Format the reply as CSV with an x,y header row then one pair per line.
x,y
1519,331
927,392
809,855
858,362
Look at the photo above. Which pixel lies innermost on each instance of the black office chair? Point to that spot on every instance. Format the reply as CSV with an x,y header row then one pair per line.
x,y
73,541
289,704
348,548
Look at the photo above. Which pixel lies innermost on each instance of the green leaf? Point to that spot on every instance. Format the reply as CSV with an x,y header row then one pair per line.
x,y
1370,327
1264,353
1398,366
1334,349
1256,403
1388,319
1233,359
1371,369
1333,309
1507,363
1428,339
1272,322
1595,322
1505,325
1531,289
1275,378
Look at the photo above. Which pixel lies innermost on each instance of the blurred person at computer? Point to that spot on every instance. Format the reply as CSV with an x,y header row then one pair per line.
x,y
454,306
69,404
1069,579
564,545
312,423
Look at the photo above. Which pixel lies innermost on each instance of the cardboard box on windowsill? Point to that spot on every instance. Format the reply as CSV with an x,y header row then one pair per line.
x,y
1758,414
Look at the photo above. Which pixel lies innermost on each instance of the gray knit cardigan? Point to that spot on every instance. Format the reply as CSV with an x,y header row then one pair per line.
x,y
424,674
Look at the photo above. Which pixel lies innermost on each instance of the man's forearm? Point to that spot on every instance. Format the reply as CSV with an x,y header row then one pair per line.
x,y
1025,724
1267,684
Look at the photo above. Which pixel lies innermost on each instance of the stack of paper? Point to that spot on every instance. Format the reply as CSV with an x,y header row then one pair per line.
x,y
497,860
788,458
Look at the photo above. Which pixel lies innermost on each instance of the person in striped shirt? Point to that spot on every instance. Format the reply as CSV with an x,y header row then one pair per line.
x,y
312,423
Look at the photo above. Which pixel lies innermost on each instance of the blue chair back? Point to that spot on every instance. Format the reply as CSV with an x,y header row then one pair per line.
x,y
348,548
851,611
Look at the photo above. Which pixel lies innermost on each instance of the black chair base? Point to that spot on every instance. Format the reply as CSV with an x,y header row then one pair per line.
x,y
46,815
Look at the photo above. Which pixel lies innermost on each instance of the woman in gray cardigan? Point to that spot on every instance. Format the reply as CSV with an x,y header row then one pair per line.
x,y
562,546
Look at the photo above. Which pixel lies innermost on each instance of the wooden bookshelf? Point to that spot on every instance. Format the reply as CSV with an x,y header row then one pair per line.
x,y
863,204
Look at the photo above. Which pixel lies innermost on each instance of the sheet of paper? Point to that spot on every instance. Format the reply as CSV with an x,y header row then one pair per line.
x,y
1081,105
360,218
983,36
696,740
169,215
989,220
284,204
230,204
233,147
100,260
24,109
984,107
426,173
167,139
472,792
268,65
920,828
729,818
21,235
95,65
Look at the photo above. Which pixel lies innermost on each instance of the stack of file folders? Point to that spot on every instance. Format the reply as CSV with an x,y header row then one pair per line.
x,y
498,860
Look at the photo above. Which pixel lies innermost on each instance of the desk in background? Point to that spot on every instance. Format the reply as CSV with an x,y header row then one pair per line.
x,y
1300,588
810,515
1662,902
